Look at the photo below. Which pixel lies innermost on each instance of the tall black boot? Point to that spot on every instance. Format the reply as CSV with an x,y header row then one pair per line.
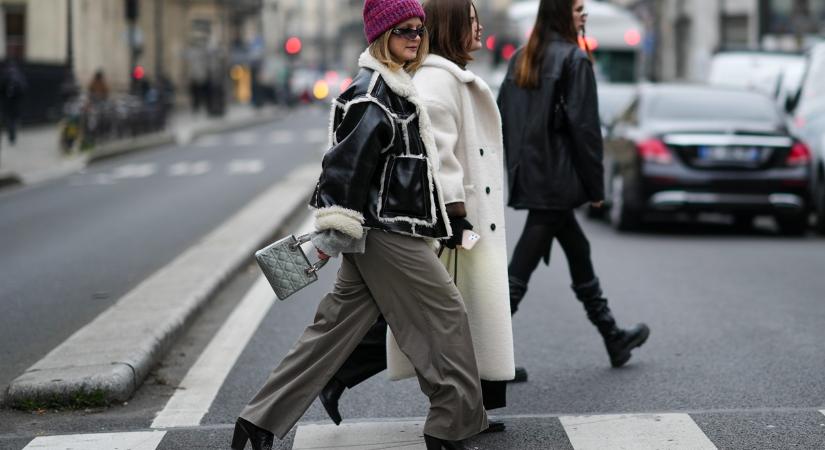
x,y
619,342
517,290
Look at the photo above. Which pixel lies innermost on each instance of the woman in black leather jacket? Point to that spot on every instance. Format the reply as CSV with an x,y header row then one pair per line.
x,y
553,146
378,203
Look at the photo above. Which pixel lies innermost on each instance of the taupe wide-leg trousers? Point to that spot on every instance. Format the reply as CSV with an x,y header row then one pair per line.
x,y
401,278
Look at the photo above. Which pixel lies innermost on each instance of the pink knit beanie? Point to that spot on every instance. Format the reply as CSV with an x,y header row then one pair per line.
x,y
381,15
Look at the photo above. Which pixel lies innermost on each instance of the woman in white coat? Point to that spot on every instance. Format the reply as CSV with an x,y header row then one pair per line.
x,y
467,129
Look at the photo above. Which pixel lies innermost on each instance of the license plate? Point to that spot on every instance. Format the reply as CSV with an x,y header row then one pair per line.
x,y
729,154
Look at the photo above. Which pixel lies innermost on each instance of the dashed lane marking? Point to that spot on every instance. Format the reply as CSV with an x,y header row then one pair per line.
x,y
245,166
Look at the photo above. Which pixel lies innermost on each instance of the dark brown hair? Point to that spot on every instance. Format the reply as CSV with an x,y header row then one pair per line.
x,y
450,28
553,16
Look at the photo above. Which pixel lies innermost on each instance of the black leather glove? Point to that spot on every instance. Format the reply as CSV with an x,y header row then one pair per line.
x,y
458,224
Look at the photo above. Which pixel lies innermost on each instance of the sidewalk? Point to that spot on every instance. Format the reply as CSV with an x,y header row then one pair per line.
x,y
37,156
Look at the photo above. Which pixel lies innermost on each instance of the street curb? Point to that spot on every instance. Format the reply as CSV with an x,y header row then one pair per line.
x,y
108,359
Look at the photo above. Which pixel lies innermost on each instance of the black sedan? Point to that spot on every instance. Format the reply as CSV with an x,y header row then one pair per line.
x,y
698,149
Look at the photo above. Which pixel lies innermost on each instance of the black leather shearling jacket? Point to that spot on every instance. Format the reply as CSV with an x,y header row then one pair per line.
x,y
550,167
378,173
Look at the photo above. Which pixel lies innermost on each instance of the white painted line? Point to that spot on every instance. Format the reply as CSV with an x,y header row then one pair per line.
x,y
201,384
281,137
189,168
822,411
134,171
361,436
245,166
635,432
144,440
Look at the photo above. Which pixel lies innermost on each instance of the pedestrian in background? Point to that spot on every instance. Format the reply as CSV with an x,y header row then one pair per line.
x,y
98,88
467,132
553,143
378,202
13,86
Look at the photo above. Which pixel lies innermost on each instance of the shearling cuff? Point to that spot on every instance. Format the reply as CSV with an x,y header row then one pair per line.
x,y
338,218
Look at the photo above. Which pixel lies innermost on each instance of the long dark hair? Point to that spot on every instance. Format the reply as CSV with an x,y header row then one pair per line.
x,y
448,23
553,16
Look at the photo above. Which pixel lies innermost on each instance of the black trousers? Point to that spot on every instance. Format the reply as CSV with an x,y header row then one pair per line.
x,y
370,358
537,238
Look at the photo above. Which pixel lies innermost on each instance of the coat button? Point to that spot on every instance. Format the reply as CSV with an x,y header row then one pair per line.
x,y
481,150
487,190
493,226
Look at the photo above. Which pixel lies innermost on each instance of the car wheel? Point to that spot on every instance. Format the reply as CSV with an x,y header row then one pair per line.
x,y
819,205
792,225
622,217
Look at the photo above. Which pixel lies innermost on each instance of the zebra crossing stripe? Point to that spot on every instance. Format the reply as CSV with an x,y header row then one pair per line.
x,y
204,379
635,432
201,384
143,440
361,436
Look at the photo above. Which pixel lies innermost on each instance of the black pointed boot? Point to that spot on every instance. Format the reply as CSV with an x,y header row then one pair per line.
x,y
618,342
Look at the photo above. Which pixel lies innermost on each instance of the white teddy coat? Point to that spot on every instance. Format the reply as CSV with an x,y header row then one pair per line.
x,y
467,129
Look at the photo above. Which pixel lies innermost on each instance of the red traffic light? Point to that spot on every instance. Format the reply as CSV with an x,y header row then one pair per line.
x,y
293,46
138,73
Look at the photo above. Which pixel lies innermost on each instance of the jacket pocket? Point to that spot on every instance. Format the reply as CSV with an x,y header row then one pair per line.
x,y
405,188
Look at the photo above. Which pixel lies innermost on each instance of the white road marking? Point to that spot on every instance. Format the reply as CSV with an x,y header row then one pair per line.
x,y
245,166
189,168
144,440
201,384
203,381
134,171
243,139
361,436
280,137
635,432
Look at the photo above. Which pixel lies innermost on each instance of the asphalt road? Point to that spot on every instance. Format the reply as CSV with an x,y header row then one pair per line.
x,y
73,246
736,319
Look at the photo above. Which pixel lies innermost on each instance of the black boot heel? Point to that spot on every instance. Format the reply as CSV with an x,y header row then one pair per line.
x,y
329,399
248,431
434,443
239,437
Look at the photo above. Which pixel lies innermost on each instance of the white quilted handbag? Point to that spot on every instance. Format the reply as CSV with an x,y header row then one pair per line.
x,y
286,266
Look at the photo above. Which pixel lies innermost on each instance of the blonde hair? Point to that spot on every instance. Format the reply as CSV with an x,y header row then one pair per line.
x,y
380,50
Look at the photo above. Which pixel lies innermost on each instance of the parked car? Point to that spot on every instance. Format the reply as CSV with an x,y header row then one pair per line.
x,y
773,73
705,149
807,120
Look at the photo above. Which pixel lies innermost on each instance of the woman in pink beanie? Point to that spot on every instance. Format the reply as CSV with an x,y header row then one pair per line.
x,y
379,205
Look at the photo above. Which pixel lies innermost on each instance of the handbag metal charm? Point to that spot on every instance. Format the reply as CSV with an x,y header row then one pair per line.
x,y
286,266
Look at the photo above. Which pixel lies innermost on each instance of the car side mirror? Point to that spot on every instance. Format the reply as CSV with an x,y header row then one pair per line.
x,y
791,101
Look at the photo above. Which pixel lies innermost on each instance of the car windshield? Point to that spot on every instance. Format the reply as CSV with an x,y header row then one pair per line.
x,y
710,105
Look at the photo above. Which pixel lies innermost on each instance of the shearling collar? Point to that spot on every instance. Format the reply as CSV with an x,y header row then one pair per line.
x,y
464,76
398,80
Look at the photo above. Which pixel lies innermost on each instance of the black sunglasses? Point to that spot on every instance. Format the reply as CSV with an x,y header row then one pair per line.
x,y
410,33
